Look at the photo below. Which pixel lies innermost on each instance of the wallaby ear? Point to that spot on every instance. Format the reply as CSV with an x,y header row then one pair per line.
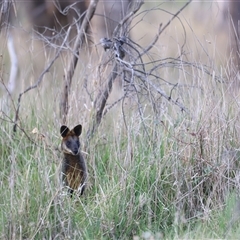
x,y
64,130
78,130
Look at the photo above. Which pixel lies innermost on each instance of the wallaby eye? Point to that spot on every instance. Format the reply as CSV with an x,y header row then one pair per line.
x,y
68,144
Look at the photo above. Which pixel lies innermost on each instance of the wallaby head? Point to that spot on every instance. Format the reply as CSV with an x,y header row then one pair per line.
x,y
70,142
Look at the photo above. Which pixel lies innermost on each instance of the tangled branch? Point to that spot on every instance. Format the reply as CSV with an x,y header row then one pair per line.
x,y
74,60
137,81
38,82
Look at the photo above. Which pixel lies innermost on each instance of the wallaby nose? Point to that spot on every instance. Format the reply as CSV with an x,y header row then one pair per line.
x,y
75,151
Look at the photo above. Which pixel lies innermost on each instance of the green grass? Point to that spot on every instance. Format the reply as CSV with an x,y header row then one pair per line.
x,y
135,188
163,174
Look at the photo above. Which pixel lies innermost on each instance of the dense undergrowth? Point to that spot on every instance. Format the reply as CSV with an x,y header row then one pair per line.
x,y
174,185
155,170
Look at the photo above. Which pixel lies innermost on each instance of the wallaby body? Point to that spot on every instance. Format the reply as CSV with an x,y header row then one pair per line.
x,y
74,169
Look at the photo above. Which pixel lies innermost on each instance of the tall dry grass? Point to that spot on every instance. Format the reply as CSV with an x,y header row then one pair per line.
x,y
155,173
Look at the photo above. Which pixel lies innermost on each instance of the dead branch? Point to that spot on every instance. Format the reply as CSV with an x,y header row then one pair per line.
x,y
146,85
74,60
5,9
101,99
175,15
38,82
158,90
100,102
127,17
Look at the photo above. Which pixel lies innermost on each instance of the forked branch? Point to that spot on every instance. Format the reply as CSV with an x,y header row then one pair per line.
x,y
38,82
74,60
102,97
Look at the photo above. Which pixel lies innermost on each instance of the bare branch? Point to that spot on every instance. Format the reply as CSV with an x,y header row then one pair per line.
x,y
153,42
127,17
37,83
158,89
101,100
175,15
74,60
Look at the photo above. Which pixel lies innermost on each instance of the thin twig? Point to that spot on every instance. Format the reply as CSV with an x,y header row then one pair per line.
x,y
37,83
159,90
101,100
127,17
74,60
175,15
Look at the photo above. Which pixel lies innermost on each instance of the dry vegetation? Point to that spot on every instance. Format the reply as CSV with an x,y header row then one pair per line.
x,y
163,160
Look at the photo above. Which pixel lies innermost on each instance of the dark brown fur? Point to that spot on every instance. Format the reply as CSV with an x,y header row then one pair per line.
x,y
49,16
74,168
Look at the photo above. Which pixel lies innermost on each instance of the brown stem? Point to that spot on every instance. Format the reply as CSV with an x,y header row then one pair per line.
x,y
101,99
100,102
74,60
37,83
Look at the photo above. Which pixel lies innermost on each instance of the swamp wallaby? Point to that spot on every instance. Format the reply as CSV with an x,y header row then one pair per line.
x,y
74,168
